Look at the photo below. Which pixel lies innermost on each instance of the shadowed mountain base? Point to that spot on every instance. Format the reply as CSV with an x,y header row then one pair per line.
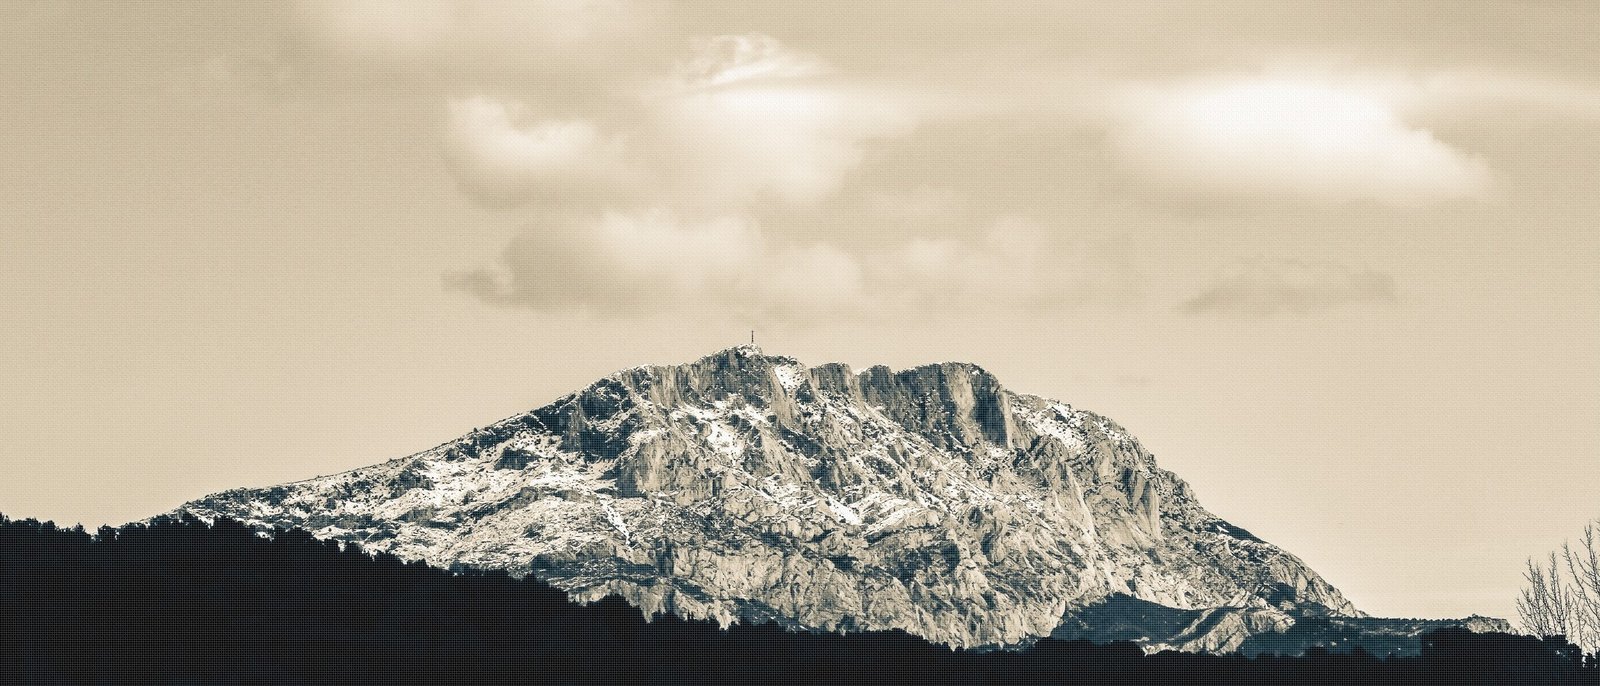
x,y
180,601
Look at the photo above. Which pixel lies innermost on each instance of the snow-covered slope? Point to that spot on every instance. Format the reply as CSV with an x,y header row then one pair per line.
x,y
747,486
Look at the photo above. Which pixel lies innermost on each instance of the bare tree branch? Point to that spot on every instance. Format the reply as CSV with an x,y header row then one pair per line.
x,y
1562,598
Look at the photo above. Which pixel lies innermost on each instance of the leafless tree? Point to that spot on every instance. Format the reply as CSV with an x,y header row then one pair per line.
x,y
1562,596
1583,565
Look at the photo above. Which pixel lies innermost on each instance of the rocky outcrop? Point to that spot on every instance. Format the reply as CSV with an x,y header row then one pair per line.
x,y
744,486
1252,631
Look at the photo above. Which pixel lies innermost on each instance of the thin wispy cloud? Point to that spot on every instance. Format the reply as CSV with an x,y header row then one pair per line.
x,y
1266,288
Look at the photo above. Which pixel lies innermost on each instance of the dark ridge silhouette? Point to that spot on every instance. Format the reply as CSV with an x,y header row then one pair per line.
x,y
180,601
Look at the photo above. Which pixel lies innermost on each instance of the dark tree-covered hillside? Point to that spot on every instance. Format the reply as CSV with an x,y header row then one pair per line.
x,y
180,601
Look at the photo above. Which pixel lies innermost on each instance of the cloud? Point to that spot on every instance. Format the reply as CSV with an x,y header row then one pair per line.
x,y
729,59
742,120
651,211
627,264
1288,138
502,157
1265,288
747,117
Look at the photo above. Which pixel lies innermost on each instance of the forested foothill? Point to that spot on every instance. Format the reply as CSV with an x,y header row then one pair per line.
x,y
180,600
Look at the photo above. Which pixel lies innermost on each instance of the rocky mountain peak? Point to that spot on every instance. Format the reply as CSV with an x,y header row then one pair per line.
x,y
745,486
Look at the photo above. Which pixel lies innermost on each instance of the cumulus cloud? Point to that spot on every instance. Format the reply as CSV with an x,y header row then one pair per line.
x,y
651,211
743,119
746,116
1294,138
621,264
1264,288
502,156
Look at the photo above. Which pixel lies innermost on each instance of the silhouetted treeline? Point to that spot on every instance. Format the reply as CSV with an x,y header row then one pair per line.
x,y
183,602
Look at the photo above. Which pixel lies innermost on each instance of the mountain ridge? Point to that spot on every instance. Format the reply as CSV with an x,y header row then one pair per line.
x,y
747,486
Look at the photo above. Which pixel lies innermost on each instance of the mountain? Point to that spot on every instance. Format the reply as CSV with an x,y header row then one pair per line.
x,y
751,487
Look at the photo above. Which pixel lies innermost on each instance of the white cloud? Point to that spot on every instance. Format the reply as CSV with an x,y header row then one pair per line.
x,y
743,119
793,143
502,156
651,211
728,59
1304,139
749,117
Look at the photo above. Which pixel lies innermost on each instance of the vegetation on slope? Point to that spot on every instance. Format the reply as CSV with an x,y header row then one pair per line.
x,y
183,601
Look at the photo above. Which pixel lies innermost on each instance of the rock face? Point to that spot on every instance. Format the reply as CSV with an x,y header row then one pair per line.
x,y
1254,630
744,486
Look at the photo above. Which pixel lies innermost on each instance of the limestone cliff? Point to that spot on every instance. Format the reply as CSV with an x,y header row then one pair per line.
x,y
744,486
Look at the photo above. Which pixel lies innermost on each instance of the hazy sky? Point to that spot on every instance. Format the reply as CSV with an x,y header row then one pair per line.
x,y
1335,264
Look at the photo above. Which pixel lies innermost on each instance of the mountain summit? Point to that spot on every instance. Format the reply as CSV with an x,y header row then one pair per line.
x,y
750,487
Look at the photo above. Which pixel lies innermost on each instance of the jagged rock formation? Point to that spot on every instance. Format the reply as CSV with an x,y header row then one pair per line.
x,y
749,487
1252,631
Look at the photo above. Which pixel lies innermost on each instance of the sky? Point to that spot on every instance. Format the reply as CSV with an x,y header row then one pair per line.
x,y
1335,264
